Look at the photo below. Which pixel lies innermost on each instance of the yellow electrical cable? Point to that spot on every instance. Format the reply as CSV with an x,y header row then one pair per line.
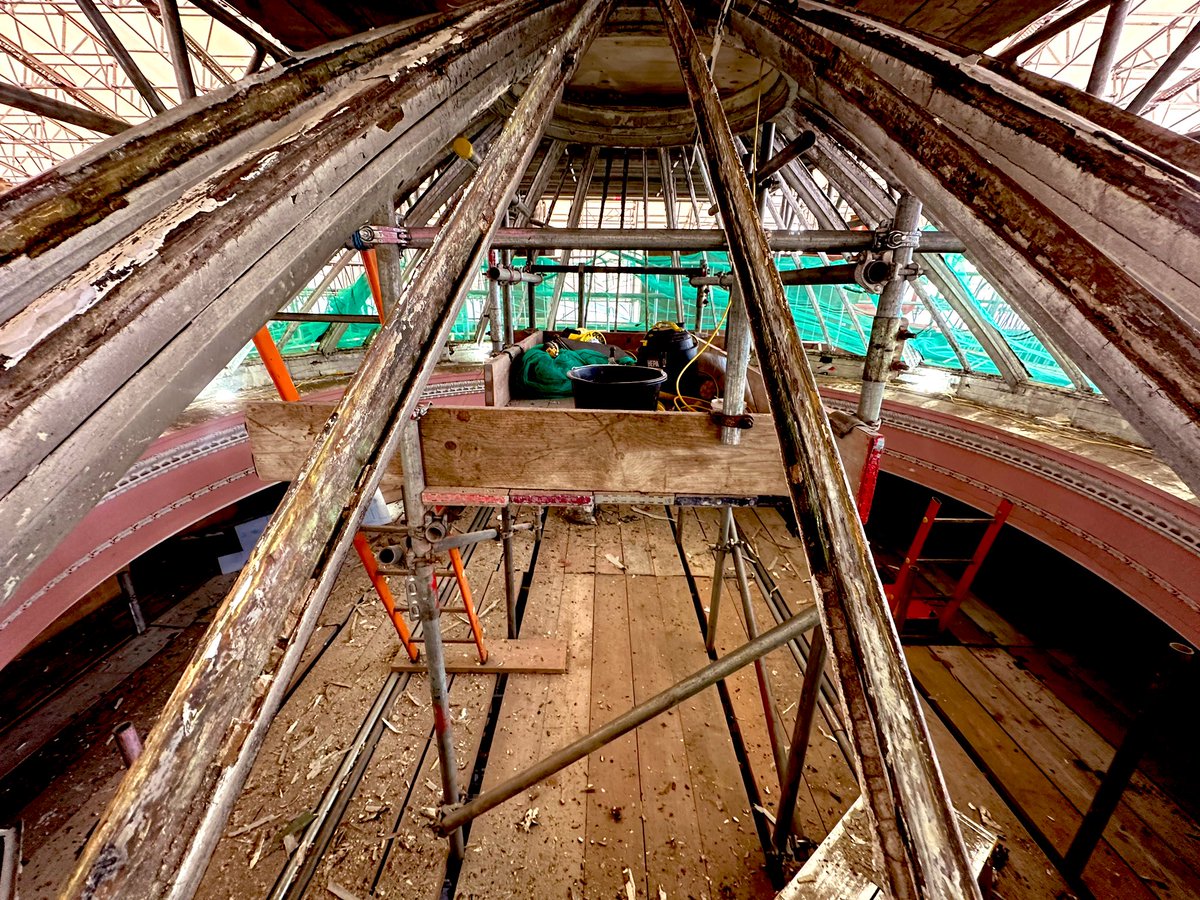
x,y
707,344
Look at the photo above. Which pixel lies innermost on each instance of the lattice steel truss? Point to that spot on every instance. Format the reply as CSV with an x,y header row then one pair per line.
x,y
1152,31
49,47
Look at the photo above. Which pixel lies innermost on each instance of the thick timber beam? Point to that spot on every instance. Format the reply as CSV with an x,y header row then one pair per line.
x,y
1044,204
919,837
157,834
55,224
79,404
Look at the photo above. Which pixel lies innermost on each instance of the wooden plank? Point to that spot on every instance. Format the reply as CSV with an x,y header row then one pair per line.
x,y
571,450
528,655
635,544
1094,752
581,548
597,450
1107,875
497,371
614,833
664,555
728,840
674,863
539,714
1146,852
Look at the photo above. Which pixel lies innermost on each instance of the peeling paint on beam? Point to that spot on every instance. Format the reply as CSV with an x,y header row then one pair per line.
x,y
1141,354
58,221
156,836
109,391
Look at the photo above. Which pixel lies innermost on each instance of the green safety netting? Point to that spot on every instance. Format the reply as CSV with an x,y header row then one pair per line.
x,y
635,303
354,300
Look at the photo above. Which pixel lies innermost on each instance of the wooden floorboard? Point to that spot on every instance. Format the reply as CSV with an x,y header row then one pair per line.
x,y
1159,864
674,861
540,713
1023,782
729,843
1094,753
615,832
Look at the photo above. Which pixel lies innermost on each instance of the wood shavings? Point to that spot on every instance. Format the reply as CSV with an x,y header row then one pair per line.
x,y
389,726
630,888
529,819
615,561
770,818
257,823
258,852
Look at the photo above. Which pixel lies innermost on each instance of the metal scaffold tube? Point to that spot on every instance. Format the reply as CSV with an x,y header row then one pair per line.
x,y
155,838
919,838
455,817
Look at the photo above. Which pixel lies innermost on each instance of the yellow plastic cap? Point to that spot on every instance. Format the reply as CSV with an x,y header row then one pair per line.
x,y
463,148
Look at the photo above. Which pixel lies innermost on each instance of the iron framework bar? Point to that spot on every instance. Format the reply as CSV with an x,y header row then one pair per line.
x,y
454,817
40,104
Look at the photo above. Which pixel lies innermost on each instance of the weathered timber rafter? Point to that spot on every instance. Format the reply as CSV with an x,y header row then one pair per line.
x,y
1050,237
919,837
108,381
50,226
156,836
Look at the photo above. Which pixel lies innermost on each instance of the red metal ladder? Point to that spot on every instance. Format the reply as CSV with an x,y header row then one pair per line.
x,y
900,592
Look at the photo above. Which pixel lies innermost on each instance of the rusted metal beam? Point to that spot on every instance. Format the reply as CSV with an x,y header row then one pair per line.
x,y
177,45
1044,206
114,46
40,104
1057,26
1147,95
902,785
112,378
155,838
1106,50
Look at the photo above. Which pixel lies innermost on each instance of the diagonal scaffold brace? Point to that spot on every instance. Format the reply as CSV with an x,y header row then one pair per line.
x,y
155,838
903,790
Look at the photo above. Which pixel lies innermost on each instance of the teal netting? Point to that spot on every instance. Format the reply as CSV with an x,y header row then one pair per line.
x,y
305,337
836,315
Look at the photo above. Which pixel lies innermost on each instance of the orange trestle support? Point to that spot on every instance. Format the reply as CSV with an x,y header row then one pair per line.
x,y
279,373
371,264
276,367
468,603
385,594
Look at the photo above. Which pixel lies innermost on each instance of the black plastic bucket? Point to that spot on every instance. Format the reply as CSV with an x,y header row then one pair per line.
x,y
616,387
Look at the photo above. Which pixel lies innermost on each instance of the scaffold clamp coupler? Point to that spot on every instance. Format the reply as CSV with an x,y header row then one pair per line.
x,y
725,420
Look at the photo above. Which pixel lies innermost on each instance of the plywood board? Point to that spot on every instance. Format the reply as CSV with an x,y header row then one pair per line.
x,y
598,450
548,450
